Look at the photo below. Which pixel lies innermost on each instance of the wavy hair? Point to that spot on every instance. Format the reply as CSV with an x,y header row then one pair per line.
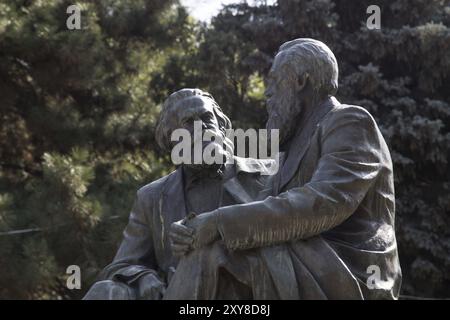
x,y
167,121
315,58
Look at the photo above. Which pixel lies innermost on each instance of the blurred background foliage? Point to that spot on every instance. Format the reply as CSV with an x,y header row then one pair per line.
x,y
78,110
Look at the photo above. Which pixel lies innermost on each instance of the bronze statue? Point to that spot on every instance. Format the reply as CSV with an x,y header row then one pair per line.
x,y
146,259
330,218
315,230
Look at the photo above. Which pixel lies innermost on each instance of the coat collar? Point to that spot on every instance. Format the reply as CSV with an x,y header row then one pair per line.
x,y
173,201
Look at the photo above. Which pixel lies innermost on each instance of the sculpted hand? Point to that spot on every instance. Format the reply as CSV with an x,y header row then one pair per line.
x,y
150,287
205,229
181,238
193,232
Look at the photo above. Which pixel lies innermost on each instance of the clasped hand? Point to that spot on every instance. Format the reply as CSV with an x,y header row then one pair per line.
x,y
193,233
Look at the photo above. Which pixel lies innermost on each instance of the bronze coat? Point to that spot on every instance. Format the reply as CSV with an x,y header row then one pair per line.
x,y
330,218
146,246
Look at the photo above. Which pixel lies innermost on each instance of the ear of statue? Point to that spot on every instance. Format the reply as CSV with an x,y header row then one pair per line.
x,y
302,81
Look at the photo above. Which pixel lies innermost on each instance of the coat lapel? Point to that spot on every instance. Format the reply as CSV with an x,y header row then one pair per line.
x,y
237,191
173,204
301,142
240,192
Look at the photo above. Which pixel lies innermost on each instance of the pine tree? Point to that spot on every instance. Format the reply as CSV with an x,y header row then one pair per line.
x,y
76,133
78,108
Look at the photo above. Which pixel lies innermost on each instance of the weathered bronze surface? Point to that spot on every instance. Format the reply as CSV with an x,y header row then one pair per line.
x,y
312,231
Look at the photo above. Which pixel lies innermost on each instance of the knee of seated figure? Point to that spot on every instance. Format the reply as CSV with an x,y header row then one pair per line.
x,y
110,290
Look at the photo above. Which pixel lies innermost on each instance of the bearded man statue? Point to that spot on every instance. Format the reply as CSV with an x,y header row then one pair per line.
x,y
326,230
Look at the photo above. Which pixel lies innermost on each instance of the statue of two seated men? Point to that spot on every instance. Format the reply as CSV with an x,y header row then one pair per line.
x,y
312,230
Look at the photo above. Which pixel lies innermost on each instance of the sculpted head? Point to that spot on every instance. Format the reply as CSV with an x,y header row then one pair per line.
x,y
181,109
304,71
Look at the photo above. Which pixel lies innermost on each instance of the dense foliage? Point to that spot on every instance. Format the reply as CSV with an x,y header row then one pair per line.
x,y
78,108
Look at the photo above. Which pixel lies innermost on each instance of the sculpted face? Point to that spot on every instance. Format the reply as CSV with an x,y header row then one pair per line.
x,y
283,106
200,109
196,109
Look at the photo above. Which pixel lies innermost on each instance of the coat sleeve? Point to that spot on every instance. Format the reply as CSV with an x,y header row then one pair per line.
x,y
352,155
136,254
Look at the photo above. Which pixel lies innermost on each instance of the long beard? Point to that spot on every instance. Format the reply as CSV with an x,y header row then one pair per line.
x,y
284,117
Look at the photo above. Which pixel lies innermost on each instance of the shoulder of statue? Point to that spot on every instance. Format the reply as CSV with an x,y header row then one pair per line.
x,y
154,189
345,112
